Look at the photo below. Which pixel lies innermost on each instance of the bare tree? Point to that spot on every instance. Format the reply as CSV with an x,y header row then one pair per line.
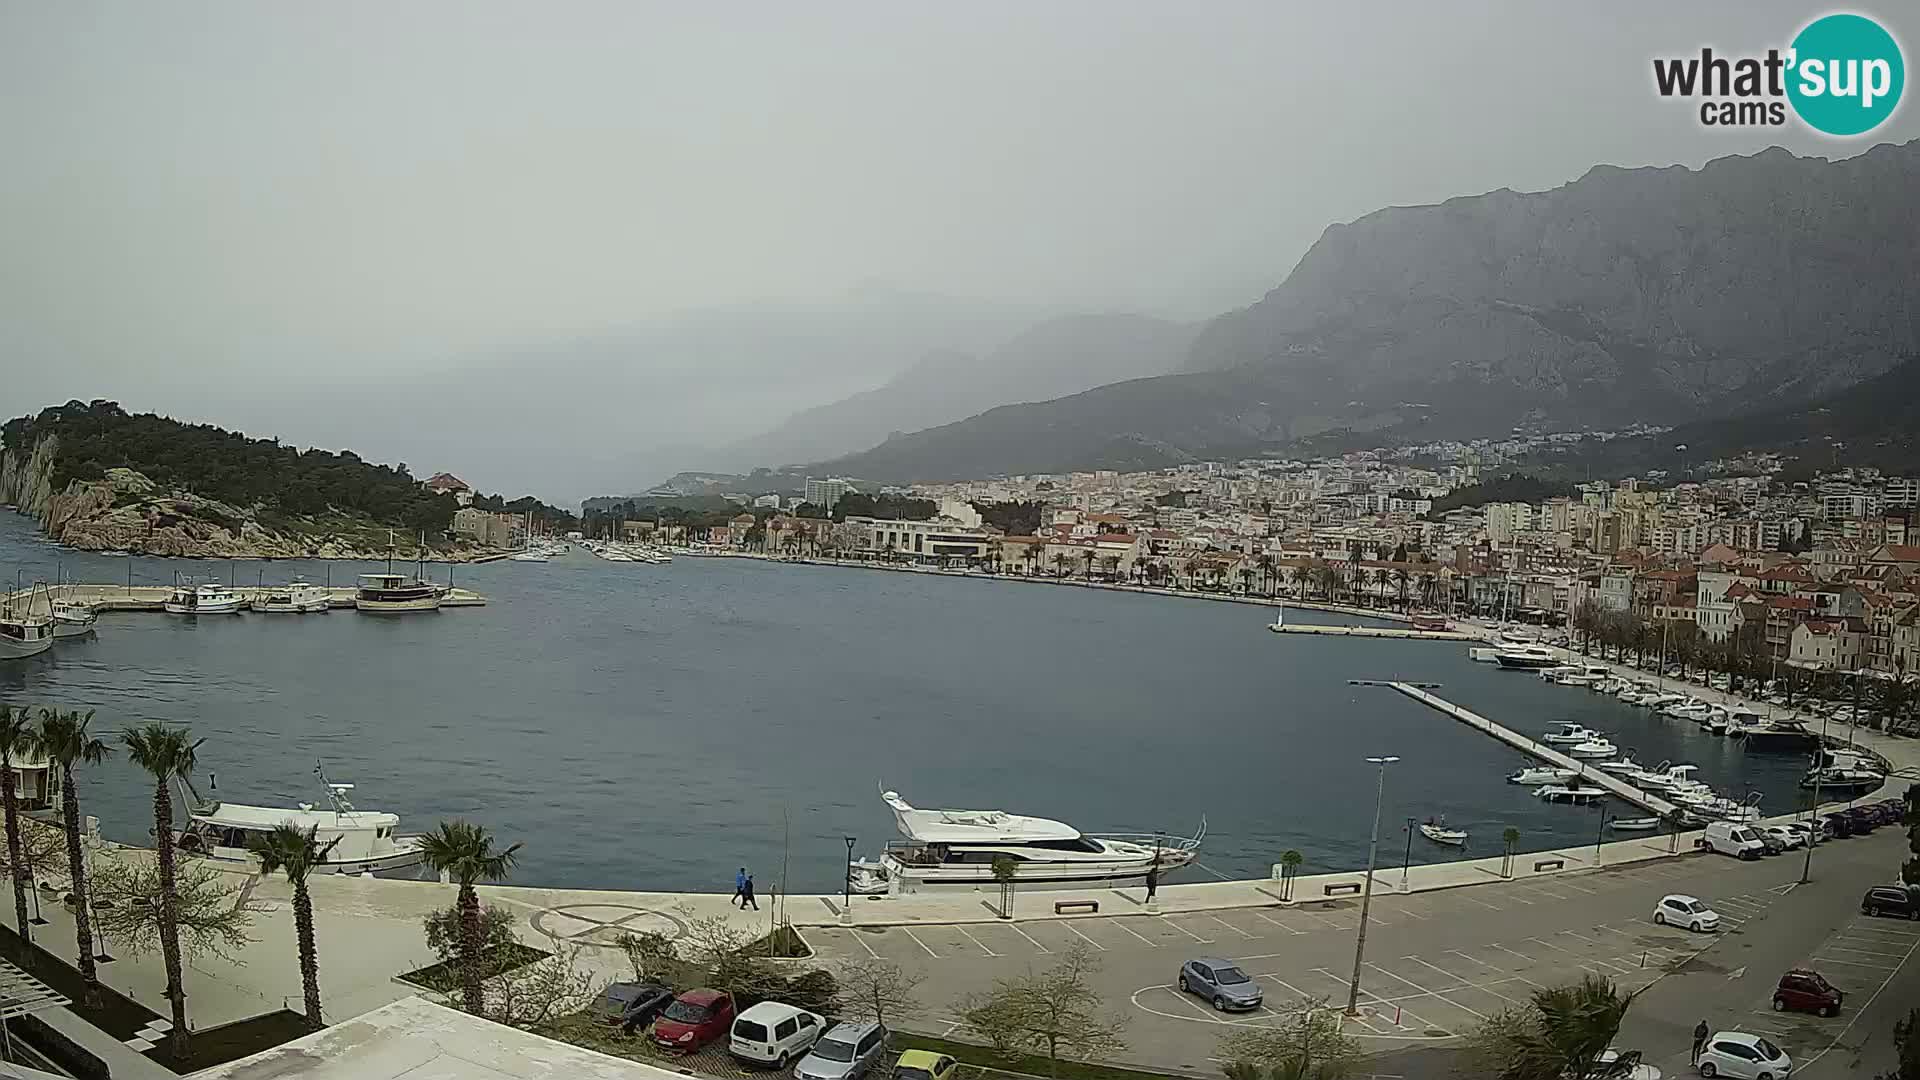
x,y
539,992
43,851
1307,1043
1053,1012
213,913
879,990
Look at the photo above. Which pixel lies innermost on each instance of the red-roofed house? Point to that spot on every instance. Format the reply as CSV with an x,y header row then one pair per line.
x,y
449,484
1828,644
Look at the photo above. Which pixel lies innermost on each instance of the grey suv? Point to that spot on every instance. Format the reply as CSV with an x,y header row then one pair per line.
x,y
1221,983
844,1053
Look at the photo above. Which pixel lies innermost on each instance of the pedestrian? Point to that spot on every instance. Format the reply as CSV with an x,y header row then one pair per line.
x,y
746,894
1153,881
739,887
1700,1033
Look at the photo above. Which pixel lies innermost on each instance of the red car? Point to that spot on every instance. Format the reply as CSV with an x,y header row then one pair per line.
x,y
695,1019
1803,990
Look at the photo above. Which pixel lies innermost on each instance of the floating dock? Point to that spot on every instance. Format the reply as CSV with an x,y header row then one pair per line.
x,y
153,597
1371,631
1528,745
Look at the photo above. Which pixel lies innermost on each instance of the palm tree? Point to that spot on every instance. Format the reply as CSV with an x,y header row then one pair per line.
x,y
1512,839
16,741
1060,561
297,852
1562,1032
1381,577
464,852
1290,861
166,752
1400,579
1087,556
1266,573
66,742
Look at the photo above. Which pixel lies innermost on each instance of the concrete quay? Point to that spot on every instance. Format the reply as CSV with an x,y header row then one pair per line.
x,y
153,597
1527,744
1370,631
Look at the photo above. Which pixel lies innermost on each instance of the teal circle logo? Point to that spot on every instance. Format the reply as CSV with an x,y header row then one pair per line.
x,y
1847,74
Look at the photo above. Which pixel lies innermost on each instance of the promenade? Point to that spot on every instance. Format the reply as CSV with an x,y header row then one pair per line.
x,y
152,597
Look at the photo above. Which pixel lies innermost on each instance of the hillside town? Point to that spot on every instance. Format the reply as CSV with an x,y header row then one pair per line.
x,y
1823,573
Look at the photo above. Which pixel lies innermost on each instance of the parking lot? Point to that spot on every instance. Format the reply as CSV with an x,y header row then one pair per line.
x,y
1436,964
1860,960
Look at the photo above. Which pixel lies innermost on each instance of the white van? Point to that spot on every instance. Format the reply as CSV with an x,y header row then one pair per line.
x,y
771,1033
1728,838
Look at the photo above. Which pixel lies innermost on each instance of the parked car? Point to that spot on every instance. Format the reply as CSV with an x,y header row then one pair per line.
x,y
695,1019
1895,901
1804,990
774,1033
1788,836
1807,832
1679,909
925,1065
1745,1056
1221,983
1728,838
1774,844
1862,819
1627,1064
1837,826
844,1053
632,1005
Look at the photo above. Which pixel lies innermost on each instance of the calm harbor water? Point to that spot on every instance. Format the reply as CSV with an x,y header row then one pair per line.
x,y
655,727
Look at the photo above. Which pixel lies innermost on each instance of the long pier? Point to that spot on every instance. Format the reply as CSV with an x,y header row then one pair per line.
x,y
1527,744
153,597
1370,631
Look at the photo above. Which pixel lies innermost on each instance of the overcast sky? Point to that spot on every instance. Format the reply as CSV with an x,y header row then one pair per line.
x,y
251,213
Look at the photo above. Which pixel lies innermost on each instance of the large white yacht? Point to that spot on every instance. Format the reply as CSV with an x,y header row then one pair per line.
x,y
958,847
202,600
366,840
1531,657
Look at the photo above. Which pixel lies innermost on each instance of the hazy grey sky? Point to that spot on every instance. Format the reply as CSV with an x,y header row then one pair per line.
x,y
219,208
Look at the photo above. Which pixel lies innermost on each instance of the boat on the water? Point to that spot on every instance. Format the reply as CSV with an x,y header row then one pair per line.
x,y
1786,735
366,841
1844,770
1526,657
297,597
1534,775
202,600
1566,731
24,635
959,847
382,594
1634,824
73,619
1435,829
1570,792
1597,747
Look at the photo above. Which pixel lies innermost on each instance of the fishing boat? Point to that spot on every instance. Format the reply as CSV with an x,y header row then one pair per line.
x,y
23,635
1436,830
394,594
362,841
960,848
202,600
73,619
296,597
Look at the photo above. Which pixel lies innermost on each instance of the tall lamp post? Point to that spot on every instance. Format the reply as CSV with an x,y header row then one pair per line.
x,y
1366,890
1813,808
846,896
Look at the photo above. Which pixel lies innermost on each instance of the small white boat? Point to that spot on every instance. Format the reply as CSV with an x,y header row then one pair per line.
x,y
1596,747
1569,793
1534,775
1437,831
202,600
1625,767
1566,731
528,556
73,619
1670,778
1634,824
1658,701
298,597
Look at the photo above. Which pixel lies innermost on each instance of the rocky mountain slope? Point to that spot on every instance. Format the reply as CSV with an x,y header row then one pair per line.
x,y
1050,359
1629,294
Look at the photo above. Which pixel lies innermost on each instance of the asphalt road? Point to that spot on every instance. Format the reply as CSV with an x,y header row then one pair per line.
x,y
1439,963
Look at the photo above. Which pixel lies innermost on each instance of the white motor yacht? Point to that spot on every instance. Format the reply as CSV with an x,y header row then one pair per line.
x,y
394,594
1669,778
1566,731
1534,775
1789,735
1840,771
1626,768
297,597
1569,793
367,840
1526,657
1658,700
202,600
1596,747
73,619
958,847
1690,709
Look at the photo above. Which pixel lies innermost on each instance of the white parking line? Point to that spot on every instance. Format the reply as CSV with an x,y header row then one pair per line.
x,y
1029,938
1862,1009
1318,918
1143,941
1229,926
1550,945
1471,960
1582,937
1441,994
1411,914
1194,1005
1184,930
1482,903
1575,888
917,941
862,939
1488,987
1402,1013
1867,952
1304,996
976,941
1085,938
1279,924
1504,949
1856,963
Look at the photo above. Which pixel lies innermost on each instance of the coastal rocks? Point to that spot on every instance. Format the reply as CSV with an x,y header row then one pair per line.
x,y
26,480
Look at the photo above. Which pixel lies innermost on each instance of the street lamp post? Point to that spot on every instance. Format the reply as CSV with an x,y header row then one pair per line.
x,y
846,897
1407,863
1600,837
1366,891
1813,808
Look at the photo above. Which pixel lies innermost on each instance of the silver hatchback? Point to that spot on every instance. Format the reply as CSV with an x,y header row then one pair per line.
x,y
1221,983
845,1053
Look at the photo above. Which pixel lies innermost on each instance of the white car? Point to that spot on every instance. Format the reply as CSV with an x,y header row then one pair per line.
x,y
772,1033
1746,1057
1636,1071
1679,909
1786,834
